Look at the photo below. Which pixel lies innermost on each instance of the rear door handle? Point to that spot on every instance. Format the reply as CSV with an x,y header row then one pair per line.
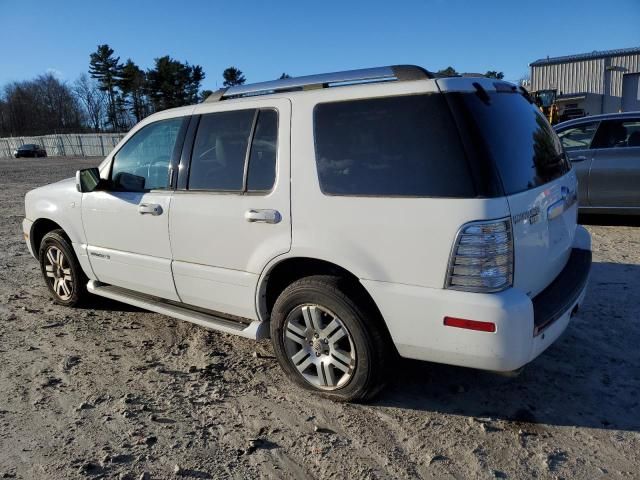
x,y
581,158
150,209
264,216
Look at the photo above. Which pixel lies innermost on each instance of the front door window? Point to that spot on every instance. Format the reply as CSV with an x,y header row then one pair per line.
x,y
143,162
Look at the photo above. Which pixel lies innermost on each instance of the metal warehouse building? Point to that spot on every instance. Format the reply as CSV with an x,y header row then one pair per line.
x,y
598,82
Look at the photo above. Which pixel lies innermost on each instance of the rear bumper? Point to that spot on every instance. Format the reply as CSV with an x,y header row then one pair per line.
x,y
550,304
415,318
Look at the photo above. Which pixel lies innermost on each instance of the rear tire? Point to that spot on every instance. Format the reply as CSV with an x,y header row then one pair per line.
x,y
61,271
329,340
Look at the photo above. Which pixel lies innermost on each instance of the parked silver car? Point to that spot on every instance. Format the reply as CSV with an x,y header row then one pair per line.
x,y
605,152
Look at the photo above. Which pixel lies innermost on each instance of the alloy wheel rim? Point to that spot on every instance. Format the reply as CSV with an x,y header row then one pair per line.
x,y
58,272
320,347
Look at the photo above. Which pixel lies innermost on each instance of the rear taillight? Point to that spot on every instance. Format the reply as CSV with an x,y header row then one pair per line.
x,y
482,257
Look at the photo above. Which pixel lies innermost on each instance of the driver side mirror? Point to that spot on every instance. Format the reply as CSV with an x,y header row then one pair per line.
x,y
87,179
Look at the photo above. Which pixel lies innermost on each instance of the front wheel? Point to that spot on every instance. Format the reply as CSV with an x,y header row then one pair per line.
x,y
61,270
329,340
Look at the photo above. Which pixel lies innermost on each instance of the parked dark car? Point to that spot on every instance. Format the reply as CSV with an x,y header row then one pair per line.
x,y
605,152
30,150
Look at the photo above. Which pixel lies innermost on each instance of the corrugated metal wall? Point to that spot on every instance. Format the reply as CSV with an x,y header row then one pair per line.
x,y
585,75
624,64
66,145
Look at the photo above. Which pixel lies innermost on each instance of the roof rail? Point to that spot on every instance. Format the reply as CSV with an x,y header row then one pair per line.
x,y
400,73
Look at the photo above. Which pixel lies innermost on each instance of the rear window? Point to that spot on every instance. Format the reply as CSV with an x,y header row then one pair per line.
x,y
391,146
511,133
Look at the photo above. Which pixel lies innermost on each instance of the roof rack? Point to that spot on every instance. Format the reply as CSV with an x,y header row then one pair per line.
x,y
400,73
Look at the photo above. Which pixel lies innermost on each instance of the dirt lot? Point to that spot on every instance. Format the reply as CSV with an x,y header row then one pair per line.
x,y
111,391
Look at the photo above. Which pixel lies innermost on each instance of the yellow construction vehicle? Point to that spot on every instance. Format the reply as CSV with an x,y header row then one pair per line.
x,y
546,101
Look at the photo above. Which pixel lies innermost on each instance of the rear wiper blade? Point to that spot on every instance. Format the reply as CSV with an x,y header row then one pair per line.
x,y
525,94
482,93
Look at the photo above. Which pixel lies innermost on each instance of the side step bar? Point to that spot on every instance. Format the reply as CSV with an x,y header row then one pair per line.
x,y
255,330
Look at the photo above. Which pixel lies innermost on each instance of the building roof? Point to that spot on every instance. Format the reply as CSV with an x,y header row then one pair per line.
x,y
586,56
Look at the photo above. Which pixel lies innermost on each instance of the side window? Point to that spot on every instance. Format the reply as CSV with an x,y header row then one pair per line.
x,y
578,137
143,162
633,131
618,134
219,151
261,173
393,146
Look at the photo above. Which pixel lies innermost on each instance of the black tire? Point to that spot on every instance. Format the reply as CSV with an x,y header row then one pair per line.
x,y
56,240
373,350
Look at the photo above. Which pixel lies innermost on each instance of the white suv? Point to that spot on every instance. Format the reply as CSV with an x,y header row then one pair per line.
x,y
351,216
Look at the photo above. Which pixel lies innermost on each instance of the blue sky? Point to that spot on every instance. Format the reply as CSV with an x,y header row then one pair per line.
x,y
266,38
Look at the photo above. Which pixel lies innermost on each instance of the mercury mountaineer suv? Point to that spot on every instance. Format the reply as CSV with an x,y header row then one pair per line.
x,y
352,217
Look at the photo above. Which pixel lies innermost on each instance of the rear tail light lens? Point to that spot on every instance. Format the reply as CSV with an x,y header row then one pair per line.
x,y
482,258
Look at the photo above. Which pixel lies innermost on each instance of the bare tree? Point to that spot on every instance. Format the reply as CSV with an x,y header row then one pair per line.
x,y
40,106
92,99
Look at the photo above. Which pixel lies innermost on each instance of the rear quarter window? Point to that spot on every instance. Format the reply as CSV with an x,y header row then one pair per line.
x,y
390,146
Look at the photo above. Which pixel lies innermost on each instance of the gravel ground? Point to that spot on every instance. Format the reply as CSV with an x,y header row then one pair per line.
x,y
111,391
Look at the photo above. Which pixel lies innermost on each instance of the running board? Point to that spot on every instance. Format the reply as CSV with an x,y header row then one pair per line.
x,y
255,330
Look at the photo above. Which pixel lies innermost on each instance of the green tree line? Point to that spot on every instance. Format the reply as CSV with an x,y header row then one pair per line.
x,y
111,96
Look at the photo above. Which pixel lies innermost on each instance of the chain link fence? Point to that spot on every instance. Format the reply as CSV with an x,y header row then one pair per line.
x,y
65,145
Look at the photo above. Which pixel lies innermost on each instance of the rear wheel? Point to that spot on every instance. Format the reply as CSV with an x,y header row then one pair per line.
x,y
328,340
61,270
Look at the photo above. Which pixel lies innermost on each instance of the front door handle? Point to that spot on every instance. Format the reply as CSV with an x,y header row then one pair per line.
x,y
150,209
265,216
581,158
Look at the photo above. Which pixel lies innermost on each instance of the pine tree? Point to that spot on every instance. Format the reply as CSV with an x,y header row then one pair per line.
x,y
448,72
105,67
173,83
494,74
132,83
233,76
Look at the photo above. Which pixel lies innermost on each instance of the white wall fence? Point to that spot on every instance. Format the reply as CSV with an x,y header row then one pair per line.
x,y
66,145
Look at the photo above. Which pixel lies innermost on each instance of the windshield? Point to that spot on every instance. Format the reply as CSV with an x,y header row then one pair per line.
x,y
511,133
547,97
